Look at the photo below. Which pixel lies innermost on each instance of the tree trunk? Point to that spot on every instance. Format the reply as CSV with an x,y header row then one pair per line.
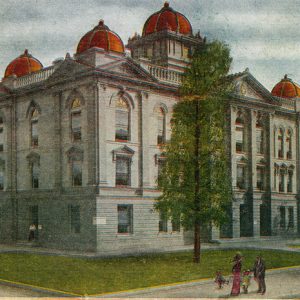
x,y
197,244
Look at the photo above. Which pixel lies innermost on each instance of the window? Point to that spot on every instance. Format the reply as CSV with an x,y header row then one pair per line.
x,y
161,120
289,145
240,182
239,133
123,170
163,223
260,174
176,224
259,136
281,180
74,218
35,175
290,182
125,218
76,173
1,179
34,128
282,217
122,120
290,217
76,120
1,134
280,143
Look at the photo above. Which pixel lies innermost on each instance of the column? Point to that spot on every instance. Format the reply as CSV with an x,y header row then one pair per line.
x,y
233,115
253,115
270,149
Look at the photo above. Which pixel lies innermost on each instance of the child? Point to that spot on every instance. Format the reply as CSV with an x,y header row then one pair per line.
x,y
220,280
246,280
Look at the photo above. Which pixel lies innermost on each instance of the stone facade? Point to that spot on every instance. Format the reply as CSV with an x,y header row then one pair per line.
x,y
82,150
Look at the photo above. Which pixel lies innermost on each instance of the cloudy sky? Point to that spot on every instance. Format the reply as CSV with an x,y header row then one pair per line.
x,y
263,35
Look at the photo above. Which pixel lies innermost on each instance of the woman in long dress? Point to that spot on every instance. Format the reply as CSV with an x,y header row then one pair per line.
x,y
236,271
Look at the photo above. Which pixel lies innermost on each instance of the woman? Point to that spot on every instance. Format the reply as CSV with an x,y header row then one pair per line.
x,y
236,271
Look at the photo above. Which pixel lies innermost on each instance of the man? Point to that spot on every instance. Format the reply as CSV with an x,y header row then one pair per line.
x,y
259,274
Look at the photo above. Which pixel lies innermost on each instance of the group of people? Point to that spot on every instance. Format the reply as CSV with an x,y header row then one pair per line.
x,y
243,278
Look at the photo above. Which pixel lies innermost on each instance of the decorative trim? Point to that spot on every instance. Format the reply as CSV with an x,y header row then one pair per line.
x,y
33,157
75,154
33,105
74,94
122,151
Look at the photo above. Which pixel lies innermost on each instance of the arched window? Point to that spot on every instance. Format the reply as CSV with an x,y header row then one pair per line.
x,y
76,120
161,126
122,120
259,136
239,133
289,144
76,161
280,143
1,134
34,128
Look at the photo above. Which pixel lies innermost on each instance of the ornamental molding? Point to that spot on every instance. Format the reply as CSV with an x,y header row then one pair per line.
x,y
75,154
33,158
124,151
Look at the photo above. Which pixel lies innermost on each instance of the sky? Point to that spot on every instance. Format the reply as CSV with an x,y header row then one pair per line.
x,y
264,35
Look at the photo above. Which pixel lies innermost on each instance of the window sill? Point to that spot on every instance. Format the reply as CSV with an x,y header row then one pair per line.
x,y
121,141
123,186
124,234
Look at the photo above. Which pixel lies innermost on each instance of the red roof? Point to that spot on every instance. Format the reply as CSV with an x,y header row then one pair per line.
x,y
23,65
101,37
167,18
286,88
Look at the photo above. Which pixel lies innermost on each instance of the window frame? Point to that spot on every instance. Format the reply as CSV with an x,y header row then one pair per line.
x,y
122,107
128,159
76,111
129,216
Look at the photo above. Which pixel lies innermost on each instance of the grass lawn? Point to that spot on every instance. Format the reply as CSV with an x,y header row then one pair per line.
x,y
95,276
294,246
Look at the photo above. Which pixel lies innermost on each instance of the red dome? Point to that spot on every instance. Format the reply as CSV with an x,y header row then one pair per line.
x,y
286,88
167,18
23,65
101,37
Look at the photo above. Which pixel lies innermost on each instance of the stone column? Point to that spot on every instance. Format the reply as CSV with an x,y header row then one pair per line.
x,y
233,115
102,98
253,151
270,148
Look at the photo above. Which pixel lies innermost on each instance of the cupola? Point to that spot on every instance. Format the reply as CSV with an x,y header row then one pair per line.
x,y
286,88
23,65
101,37
167,18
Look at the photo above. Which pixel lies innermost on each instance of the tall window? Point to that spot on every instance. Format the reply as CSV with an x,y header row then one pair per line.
x,y
163,223
76,120
290,217
1,176
289,145
259,137
123,170
290,181
76,173
34,128
125,218
241,175
176,223
239,133
281,180
35,170
161,121
74,218
260,177
280,143
122,120
1,134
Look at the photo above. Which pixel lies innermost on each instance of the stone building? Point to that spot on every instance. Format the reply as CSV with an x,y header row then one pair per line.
x,y
81,144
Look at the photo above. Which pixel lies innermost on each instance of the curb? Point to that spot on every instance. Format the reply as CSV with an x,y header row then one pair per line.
x,y
180,284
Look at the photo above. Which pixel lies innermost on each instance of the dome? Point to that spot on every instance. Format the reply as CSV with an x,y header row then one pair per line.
x,y
23,65
167,18
286,88
101,37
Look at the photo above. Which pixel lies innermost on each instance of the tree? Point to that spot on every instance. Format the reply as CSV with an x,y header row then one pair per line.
x,y
195,181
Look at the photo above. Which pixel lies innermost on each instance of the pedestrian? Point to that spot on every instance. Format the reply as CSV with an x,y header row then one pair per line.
x,y
246,280
32,230
236,271
259,270
220,280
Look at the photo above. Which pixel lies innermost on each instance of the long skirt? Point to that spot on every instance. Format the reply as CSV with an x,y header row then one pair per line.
x,y
235,291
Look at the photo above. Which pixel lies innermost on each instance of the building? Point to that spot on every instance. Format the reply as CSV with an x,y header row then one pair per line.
x,y
80,144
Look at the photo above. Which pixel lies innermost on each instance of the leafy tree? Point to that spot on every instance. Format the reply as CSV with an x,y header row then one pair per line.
x,y
195,181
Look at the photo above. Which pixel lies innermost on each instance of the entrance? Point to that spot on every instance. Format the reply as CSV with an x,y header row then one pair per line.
x,y
34,217
245,223
264,220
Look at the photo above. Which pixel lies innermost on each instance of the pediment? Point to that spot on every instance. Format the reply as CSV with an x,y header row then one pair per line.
x,y
246,86
129,69
68,69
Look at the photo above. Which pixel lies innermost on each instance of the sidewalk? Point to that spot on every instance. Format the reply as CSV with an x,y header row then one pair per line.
x,y
281,284
275,243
